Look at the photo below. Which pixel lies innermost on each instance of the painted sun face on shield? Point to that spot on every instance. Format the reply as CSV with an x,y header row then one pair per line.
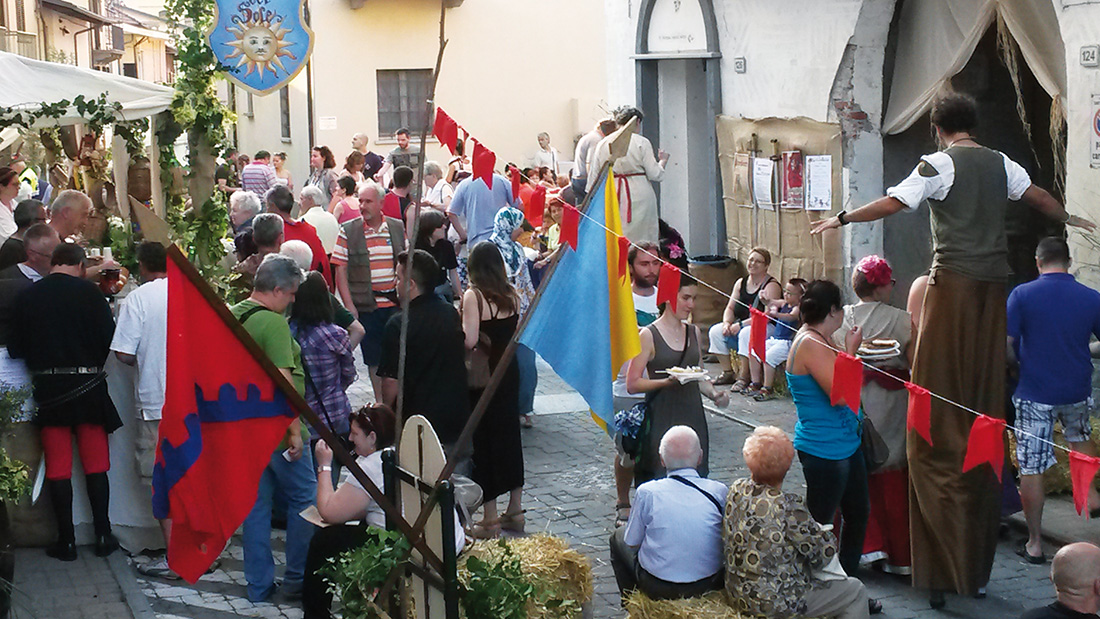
x,y
259,44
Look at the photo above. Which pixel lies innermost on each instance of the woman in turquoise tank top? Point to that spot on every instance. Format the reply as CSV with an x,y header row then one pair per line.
x,y
827,437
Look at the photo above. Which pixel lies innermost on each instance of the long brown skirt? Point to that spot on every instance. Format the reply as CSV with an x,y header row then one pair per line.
x,y
960,354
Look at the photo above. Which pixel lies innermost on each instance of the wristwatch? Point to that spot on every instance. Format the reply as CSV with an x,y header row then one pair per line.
x,y
324,469
840,218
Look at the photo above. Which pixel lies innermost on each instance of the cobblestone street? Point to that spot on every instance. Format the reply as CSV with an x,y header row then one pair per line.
x,y
569,493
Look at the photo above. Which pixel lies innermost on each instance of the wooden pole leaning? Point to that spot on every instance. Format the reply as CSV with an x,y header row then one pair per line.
x,y
298,403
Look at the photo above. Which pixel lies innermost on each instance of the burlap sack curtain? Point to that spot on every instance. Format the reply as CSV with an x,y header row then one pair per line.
x,y
937,37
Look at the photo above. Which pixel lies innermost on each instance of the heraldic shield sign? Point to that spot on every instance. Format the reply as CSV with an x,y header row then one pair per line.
x,y
264,43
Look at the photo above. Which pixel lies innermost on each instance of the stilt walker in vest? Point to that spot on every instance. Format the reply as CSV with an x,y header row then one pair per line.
x,y
961,347
365,262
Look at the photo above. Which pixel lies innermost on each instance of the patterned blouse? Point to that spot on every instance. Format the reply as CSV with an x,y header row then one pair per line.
x,y
771,546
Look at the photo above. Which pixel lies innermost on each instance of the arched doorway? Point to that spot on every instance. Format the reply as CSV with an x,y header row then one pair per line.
x,y
678,74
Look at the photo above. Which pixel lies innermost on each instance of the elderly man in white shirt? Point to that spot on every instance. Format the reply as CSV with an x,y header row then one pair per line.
x,y
672,545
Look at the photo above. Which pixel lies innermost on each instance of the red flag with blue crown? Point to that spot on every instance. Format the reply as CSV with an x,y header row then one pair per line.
x,y
223,417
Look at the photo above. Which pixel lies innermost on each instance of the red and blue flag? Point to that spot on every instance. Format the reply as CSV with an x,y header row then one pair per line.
x,y
223,417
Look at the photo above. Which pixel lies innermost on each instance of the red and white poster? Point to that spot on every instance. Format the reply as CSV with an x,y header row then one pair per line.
x,y
792,180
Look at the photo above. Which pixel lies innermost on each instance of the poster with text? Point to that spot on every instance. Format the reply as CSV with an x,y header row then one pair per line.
x,y
763,170
742,195
792,179
818,179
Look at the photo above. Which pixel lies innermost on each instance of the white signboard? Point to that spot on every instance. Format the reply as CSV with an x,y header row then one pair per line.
x,y
677,26
326,123
818,171
1094,133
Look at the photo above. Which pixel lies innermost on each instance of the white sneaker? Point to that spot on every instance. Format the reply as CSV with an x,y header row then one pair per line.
x,y
157,569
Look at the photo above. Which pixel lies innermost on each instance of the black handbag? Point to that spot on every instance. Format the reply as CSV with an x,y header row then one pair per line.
x,y
875,450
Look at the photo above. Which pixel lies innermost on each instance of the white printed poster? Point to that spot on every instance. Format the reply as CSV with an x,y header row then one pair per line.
x,y
818,170
762,170
1094,133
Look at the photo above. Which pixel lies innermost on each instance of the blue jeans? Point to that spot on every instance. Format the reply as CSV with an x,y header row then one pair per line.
x,y
374,323
528,379
296,480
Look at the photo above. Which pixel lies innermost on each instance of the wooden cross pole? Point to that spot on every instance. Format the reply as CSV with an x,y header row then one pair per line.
x,y
297,402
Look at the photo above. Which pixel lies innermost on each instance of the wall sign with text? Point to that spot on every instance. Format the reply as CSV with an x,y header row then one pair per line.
x,y
264,43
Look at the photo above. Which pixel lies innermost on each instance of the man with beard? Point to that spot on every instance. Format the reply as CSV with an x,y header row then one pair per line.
x,y
645,266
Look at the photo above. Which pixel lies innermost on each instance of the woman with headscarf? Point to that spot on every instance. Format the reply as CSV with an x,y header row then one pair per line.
x,y
508,225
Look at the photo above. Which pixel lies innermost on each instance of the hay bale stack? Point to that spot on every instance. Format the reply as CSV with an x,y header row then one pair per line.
x,y
710,606
1056,479
550,564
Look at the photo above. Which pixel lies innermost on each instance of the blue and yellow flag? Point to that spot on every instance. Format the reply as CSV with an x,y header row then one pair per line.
x,y
584,325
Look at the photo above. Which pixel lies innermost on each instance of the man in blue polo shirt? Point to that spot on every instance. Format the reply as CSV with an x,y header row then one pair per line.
x,y
1050,323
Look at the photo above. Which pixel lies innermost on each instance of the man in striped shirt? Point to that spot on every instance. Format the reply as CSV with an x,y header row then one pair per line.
x,y
258,176
366,278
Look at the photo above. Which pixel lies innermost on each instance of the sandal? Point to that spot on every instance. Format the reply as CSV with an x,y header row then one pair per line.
x,y
765,394
513,522
751,390
738,386
874,606
527,421
484,530
622,514
727,378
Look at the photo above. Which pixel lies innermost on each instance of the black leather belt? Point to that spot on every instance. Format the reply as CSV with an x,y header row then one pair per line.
x,y
67,371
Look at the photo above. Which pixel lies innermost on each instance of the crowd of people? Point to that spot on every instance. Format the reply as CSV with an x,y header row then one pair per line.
x,y
337,263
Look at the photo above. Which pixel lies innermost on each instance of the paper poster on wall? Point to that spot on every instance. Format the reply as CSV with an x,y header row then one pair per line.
x,y
818,173
741,194
792,179
1094,133
762,171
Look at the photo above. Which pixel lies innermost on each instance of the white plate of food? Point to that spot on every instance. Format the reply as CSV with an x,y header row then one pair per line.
x,y
686,375
879,349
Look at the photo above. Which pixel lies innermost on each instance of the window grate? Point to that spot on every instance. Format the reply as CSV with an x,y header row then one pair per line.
x,y
402,99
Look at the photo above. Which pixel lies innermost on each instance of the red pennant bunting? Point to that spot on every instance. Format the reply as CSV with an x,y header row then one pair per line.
x,y
758,337
668,285
920,411
847,381
515,183
484,161
570,224
986,444
446,129
624,253
1082,470
536,206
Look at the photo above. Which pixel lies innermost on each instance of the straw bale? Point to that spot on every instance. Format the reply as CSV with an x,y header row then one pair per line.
x,y
710,606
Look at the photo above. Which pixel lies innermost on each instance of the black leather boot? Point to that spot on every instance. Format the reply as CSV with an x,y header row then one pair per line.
x,y
61,496
99,495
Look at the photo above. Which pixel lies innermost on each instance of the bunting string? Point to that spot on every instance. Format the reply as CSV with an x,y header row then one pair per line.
x,y
668,266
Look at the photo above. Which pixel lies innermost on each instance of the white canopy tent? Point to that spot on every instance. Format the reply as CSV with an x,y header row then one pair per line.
x,y
26,84
937,37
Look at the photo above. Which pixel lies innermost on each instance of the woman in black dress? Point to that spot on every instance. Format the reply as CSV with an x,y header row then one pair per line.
x,y
490,306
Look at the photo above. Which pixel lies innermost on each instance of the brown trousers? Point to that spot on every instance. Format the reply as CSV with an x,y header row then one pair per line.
x,y
960,355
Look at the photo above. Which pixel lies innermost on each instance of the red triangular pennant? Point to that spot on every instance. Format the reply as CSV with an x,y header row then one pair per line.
x,y
919,418
624,253
570,224
668,285
515,183
986,444
445,129
484,161
536,205
847,381
1082,470
758,337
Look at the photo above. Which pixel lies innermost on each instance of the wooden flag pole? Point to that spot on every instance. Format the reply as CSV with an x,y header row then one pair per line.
x,y
466,438
297,402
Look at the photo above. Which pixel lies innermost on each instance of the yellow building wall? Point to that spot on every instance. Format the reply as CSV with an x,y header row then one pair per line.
x,y
512,68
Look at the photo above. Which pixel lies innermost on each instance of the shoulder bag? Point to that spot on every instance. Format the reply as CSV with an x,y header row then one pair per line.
x,y
875,450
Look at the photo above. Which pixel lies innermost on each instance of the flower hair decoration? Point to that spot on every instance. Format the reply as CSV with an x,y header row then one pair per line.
x,y
876,270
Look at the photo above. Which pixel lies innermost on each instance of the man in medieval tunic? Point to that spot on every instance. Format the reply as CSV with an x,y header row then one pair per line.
x,y
635,173
960,353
